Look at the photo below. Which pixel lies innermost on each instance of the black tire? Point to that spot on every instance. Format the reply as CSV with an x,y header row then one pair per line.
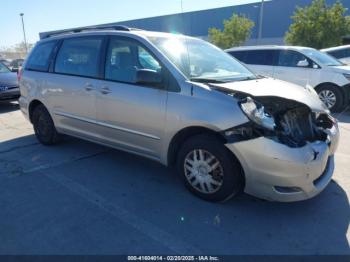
x,y
338,106
44,127
233,180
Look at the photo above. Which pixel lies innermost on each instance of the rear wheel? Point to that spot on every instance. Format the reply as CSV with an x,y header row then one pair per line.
x,y
209,169
332,97
44,127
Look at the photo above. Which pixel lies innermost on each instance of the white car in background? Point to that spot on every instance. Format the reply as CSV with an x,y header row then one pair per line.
x,y
342,53
303,66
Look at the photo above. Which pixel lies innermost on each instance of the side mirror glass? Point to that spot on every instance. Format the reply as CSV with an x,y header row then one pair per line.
x,y
148,77
15,70
303,63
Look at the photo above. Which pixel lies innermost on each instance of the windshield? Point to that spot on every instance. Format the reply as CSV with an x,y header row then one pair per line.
x,y
322,58
201,61
4,69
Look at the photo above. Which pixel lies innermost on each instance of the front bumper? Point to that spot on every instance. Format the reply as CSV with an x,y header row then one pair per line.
x,y
276,172
10,94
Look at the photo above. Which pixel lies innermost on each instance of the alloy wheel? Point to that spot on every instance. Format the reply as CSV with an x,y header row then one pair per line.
x,y
328,98
203,171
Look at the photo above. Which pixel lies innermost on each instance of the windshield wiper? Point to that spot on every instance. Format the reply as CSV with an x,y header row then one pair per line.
x,y
206,80
249,78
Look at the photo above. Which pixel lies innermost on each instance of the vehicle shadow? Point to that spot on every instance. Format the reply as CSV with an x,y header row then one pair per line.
x,y
243,225
343,116
7,107
154,193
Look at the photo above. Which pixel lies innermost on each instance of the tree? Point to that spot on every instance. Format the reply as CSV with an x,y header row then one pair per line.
x,y
236,31
21,47
17,48
318,25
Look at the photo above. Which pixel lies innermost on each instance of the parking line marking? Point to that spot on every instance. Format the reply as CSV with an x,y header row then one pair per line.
x,y
147,228
68,161
18,147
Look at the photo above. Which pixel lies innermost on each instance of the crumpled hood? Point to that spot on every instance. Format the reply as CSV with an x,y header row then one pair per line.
x,y
8,79
276,88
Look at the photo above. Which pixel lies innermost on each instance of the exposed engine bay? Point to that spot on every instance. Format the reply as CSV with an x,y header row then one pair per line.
x,y
286,121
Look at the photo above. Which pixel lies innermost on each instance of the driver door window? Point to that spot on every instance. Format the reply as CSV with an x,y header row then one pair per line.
x,y
290,58
124,58
287,68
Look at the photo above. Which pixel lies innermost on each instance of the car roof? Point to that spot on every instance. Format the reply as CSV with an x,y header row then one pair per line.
x,y
269,47
335,48
55,35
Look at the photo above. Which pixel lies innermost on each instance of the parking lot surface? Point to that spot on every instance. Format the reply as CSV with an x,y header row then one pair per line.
x,y
82,198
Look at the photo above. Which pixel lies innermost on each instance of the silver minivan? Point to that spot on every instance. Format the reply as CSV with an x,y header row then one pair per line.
x,y
183,102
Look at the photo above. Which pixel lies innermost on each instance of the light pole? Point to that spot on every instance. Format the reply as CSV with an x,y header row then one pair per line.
x,y
261,20
24,33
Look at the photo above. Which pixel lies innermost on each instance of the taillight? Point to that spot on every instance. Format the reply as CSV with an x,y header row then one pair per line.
x,y
19,75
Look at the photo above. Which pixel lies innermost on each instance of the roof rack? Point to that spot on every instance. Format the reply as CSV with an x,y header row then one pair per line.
x,y
45,35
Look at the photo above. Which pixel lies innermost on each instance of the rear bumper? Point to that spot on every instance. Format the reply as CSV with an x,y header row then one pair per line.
x,y
9,95
276,172
23,105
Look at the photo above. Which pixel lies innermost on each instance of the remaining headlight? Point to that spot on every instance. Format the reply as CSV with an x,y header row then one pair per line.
x,y
256,113
347,76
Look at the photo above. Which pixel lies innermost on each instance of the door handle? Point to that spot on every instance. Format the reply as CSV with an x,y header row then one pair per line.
x,y
105,90
89,87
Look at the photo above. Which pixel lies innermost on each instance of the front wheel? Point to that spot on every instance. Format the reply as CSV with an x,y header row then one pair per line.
x,y
209,169
332,97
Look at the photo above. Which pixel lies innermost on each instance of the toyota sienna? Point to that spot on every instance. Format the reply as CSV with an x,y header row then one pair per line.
x,y
181,101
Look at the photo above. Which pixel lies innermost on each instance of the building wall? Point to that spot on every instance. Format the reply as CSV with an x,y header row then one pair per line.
x,y
277,18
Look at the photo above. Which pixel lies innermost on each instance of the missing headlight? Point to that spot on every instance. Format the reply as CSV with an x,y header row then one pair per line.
x,y
282,120
256,113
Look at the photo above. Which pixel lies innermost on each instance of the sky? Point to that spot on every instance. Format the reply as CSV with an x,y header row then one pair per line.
x,y
47,15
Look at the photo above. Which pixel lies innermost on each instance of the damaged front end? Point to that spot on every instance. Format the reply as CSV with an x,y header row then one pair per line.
x,y
285,121
286,150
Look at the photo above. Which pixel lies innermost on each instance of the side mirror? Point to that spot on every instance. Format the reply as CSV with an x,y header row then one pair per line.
x,y
315,66
15,70
303,63
148,77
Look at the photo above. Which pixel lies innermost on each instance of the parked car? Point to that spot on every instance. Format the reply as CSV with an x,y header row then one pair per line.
x,y
9,89
16,64
342,53
181,101
302,66
5,62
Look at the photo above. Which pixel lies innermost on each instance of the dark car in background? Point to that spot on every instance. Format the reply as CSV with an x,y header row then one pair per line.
x,y
16,64
9,89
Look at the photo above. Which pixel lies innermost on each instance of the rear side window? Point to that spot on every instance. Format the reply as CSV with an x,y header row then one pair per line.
x,y
39,59
79,56
256,57
337,54
343,53
260,57
239,55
